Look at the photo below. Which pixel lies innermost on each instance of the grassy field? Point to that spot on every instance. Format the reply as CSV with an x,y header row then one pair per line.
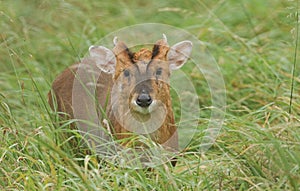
x,y
254,44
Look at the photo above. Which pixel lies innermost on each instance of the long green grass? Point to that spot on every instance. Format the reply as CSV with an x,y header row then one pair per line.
x,y
253,43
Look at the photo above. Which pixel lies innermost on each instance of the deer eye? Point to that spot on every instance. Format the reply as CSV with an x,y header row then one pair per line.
x,y
126,73
158,71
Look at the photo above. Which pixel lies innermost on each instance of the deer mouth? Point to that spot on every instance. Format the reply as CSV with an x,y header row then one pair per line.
x,y
143,109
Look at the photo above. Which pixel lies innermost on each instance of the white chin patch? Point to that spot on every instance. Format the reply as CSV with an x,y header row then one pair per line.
x,y
144,110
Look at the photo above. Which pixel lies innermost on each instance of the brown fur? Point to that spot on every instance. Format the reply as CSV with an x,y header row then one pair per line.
x,y
166,134
147,62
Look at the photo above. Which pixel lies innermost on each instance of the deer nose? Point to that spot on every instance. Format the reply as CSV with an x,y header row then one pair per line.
x,y
144,100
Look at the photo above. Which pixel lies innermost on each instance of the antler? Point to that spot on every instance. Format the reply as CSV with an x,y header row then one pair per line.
x,y
115,40
165,38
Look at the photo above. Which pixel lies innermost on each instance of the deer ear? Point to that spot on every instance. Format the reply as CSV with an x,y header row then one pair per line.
x,y
104,58
178,54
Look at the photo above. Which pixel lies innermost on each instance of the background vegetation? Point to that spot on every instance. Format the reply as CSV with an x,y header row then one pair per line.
x,y
254,43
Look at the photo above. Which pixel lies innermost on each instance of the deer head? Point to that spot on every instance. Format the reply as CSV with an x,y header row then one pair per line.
x,y
140,97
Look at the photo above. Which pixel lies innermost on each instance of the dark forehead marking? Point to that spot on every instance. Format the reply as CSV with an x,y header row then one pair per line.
x,y
137,67
143,63
149,63
130,54
155,51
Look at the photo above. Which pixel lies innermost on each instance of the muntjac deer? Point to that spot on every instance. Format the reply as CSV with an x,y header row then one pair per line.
x,y
137,84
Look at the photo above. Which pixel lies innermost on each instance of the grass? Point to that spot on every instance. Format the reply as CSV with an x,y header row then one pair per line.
x,y
253,43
